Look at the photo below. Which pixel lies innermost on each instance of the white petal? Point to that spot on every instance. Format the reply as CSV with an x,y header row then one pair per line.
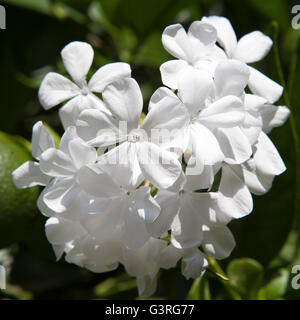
x,y
169,204
55,89
194,264
135,233
148,209
263,86
266,157
186,227
169,257
70,112
28,175
167,119
253,47
41,140
77,57
146,285
102,224
193,88
60,195
225,112
122,164
60,231
125,101
108,74
159,166
171,72
218,241
234,144
176,42
204,32
56,163
231,78
257,182
226,34
81,153
205,145
273,116
237,200
196,181
98,128
253,102
97,182
161,94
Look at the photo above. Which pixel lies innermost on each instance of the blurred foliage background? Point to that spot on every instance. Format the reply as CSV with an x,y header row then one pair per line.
x,y
130,31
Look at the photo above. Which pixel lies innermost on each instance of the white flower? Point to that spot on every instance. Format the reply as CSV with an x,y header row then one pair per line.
x,y
130,208
194,49
252,47
259,171
124,99
63,165
77,58
29,173
214,111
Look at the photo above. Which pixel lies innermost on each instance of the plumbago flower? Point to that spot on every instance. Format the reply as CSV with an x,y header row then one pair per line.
x,y
146,194
77,57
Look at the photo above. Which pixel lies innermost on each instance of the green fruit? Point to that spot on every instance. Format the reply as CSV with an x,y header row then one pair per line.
x,y
17,206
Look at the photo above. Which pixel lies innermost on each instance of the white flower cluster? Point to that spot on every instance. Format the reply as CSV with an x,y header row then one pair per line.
x,y
210,120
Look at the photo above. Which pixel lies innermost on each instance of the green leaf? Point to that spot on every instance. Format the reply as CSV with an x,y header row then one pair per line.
x,y
43,6
17,207
112,286
246,276
199,290
276,287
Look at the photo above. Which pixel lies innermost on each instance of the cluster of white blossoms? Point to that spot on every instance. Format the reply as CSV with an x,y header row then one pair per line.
x,y
146,192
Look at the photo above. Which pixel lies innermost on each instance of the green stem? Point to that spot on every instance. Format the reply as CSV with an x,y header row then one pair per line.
x,y
223,278
291,121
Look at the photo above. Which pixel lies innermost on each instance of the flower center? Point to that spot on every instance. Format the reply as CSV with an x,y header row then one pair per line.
x,y
136,135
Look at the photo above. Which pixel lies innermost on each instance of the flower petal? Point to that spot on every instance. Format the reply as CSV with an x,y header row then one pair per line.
x,y
237,200
135,233
81,153
41,140
169,204
176,42
171,71
60,231
56,163
99,128
70,112
253,47
205,145
231,78
266,157
125,101
263,86
273,116
77,57
204,32
218,241
55,89
226,34
225,112
159,166
193,88
28,175
148,209
108,74
96,182
234,145
193,264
